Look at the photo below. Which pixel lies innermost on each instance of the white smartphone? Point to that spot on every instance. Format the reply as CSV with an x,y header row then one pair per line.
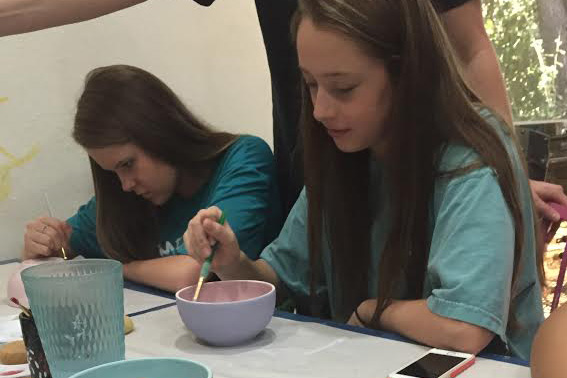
x,y
437,363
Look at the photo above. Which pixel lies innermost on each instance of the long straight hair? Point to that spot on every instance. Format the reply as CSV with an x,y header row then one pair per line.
x,y
431,107
123,104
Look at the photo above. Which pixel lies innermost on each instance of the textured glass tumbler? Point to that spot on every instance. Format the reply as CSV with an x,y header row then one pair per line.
x,y
78,307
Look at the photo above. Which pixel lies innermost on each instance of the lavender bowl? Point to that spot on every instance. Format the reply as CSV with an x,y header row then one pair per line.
x,y
227,313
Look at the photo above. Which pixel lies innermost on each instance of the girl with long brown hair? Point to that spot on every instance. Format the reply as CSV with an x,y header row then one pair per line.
x,y
416,216
154,166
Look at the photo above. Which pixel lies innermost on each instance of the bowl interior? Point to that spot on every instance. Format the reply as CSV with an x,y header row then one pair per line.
x,y
226,291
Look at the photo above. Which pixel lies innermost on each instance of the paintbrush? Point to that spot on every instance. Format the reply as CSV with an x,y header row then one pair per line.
x,y
24,309
207,264
51,216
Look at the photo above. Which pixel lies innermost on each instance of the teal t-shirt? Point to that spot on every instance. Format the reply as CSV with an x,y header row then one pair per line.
x,y
243,185
470,264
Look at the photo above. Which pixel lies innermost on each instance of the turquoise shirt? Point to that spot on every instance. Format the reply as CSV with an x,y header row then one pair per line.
x,y
243,185
470,264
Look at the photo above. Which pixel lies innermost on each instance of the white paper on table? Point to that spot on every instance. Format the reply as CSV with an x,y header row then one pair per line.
x,y
135,301
10,329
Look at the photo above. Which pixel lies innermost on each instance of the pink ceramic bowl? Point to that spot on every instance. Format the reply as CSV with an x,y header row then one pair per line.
x,y
16,286
228,312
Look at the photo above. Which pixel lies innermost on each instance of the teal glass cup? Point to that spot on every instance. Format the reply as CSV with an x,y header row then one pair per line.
x,y
78,307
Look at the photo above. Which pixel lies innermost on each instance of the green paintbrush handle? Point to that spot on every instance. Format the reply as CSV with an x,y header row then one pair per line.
x,y
207,264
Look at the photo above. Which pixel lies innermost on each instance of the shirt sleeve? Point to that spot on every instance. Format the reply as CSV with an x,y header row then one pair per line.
x,y
288,255
472,251
83,238
246,192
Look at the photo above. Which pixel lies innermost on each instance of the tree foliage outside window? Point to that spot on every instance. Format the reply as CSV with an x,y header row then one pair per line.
x,y
530,40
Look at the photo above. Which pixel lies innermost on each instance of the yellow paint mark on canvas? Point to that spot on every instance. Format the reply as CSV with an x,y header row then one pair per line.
x,y
6,168
3,99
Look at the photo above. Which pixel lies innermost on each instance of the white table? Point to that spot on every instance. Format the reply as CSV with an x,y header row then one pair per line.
x,y
287,348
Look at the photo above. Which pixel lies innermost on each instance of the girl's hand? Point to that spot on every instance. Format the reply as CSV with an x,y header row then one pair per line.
x,y
544,192
45,236
203,231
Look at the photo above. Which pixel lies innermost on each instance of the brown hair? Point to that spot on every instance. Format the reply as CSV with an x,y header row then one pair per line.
x,y
123,104
408,36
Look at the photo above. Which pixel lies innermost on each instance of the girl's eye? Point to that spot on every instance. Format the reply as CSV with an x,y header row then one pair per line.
x,y
128,164
345,90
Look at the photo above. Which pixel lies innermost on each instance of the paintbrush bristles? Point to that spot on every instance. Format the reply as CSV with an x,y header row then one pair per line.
x,y
24,309
199,284
64,254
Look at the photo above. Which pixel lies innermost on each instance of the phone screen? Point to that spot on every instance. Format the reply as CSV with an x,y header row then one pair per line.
x,y
432,365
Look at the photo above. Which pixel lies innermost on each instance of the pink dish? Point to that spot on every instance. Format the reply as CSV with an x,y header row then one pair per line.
x,y
16,286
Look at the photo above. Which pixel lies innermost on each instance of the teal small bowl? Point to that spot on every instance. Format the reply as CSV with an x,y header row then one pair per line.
x,y
148,368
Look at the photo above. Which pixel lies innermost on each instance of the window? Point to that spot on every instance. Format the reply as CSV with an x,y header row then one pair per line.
x,y
530,40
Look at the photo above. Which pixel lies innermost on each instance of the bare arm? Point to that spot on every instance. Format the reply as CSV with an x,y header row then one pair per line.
x,y
465,27
22,16
169,273
247,269
229,262
45,236
414,320
548,359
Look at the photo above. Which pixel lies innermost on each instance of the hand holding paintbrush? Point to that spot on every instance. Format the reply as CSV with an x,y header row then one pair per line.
x,y
207,264
44,237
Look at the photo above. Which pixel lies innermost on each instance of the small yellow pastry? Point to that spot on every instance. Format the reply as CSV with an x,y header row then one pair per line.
x,y
13,353
128,325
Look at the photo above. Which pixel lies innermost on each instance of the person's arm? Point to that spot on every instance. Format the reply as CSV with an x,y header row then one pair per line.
x,y
22,16
547,356
413,319
284,263
229,262
170,273
545,192
246,269
469,269
465,28
45,237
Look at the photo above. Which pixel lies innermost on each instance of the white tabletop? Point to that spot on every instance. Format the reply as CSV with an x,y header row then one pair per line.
x,y
289,348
